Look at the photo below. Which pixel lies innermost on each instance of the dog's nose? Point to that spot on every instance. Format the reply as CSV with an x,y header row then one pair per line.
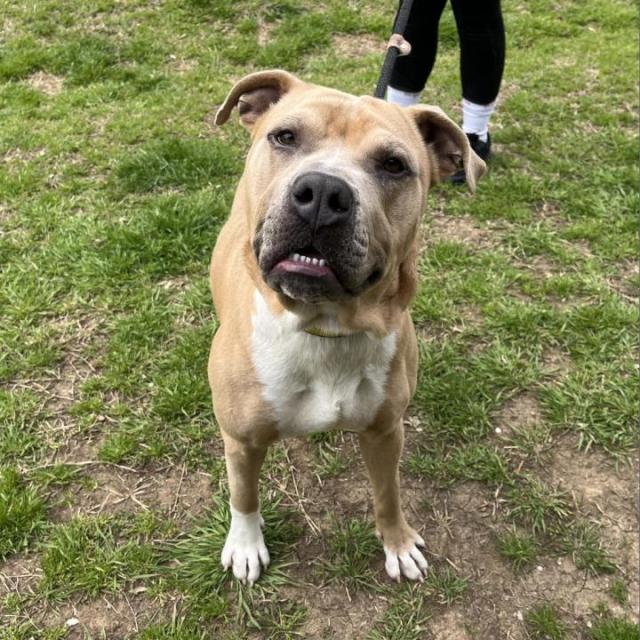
x,y
322,199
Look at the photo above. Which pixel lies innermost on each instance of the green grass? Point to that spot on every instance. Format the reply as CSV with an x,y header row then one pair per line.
x,y
95,555
113,188
519,549
353,546
544,623
406,618
614,629
22,513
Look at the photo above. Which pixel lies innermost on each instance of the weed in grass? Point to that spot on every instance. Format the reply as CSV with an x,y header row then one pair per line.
x,y
22,513
537,506
582,540
544,623
619,591
520,549
352,547
614,629
445,584
406,617
92,556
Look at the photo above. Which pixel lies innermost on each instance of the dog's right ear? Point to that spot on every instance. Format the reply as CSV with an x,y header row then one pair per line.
x,y
254,94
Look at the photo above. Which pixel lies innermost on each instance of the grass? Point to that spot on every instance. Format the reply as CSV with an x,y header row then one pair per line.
x,y
352,547
113,188
614,629
406,618
520,549
22,513
93,556
544,623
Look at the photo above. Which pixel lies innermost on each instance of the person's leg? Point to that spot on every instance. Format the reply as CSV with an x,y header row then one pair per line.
x,y
482,49
410,72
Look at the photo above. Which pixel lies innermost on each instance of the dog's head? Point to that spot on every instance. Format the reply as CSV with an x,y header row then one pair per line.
x,y
335,186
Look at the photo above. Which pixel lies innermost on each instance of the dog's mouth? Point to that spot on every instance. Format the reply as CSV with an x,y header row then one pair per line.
x,y
306,262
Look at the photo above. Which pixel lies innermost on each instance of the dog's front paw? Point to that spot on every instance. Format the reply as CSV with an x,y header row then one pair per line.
x,y
244,549
403,556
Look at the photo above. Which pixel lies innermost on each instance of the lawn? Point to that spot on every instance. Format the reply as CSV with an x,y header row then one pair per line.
x,y
520,467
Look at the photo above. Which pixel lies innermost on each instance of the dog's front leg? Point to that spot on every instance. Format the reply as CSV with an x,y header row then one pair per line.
x,y
381,452
244,549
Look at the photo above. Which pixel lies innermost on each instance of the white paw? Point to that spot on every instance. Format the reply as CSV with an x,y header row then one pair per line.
x,y
244,549
408,562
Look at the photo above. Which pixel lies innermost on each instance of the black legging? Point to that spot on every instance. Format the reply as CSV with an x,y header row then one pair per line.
x,y
481,34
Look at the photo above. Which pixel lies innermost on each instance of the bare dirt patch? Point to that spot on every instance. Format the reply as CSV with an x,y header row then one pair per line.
x,y
106,617
354,46
463,229
48,83
337,613
19,575
114,489
557,363
608,494
264,32
521,412
181,65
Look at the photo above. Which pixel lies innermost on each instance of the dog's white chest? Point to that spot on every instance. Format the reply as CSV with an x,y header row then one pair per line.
x,y
318,384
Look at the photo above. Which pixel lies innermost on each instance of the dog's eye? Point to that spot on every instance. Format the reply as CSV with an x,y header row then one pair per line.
x,y
284,138
394,166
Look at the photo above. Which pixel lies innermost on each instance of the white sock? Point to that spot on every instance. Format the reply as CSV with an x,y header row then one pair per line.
x,y
475,118
402,98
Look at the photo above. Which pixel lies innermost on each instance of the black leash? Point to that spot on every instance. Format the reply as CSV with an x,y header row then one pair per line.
x,y
397,46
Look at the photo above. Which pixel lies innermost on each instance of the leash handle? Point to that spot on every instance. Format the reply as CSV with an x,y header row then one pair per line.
x,y
395,48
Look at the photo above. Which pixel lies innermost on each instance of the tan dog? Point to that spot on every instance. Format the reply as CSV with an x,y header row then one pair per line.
x,y
311,276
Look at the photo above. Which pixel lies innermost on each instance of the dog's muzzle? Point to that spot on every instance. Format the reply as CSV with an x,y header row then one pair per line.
x,y
314,245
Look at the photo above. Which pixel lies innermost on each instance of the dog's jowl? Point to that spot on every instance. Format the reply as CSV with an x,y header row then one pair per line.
x,y
312,276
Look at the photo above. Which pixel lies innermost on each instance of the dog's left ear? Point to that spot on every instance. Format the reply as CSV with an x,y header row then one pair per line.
x,y
448,144
254,94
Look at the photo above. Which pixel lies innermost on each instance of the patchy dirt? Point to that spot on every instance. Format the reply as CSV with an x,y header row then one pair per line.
x,y
46,82
106,617
440,227
19,574
609,495
264,32
337,613
556,363
114,489
460,528
354,46
521,412
181,65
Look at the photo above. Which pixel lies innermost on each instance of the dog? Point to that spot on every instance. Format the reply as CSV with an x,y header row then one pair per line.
x,y
311,277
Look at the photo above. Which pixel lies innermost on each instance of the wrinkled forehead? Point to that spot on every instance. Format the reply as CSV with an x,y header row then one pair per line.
x,y
352,121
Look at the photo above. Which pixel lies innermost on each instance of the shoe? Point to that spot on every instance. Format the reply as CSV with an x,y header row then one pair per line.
x,y
482,149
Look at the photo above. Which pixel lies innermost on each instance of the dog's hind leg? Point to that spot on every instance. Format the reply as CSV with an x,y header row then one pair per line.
x,y
244,549
381,452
